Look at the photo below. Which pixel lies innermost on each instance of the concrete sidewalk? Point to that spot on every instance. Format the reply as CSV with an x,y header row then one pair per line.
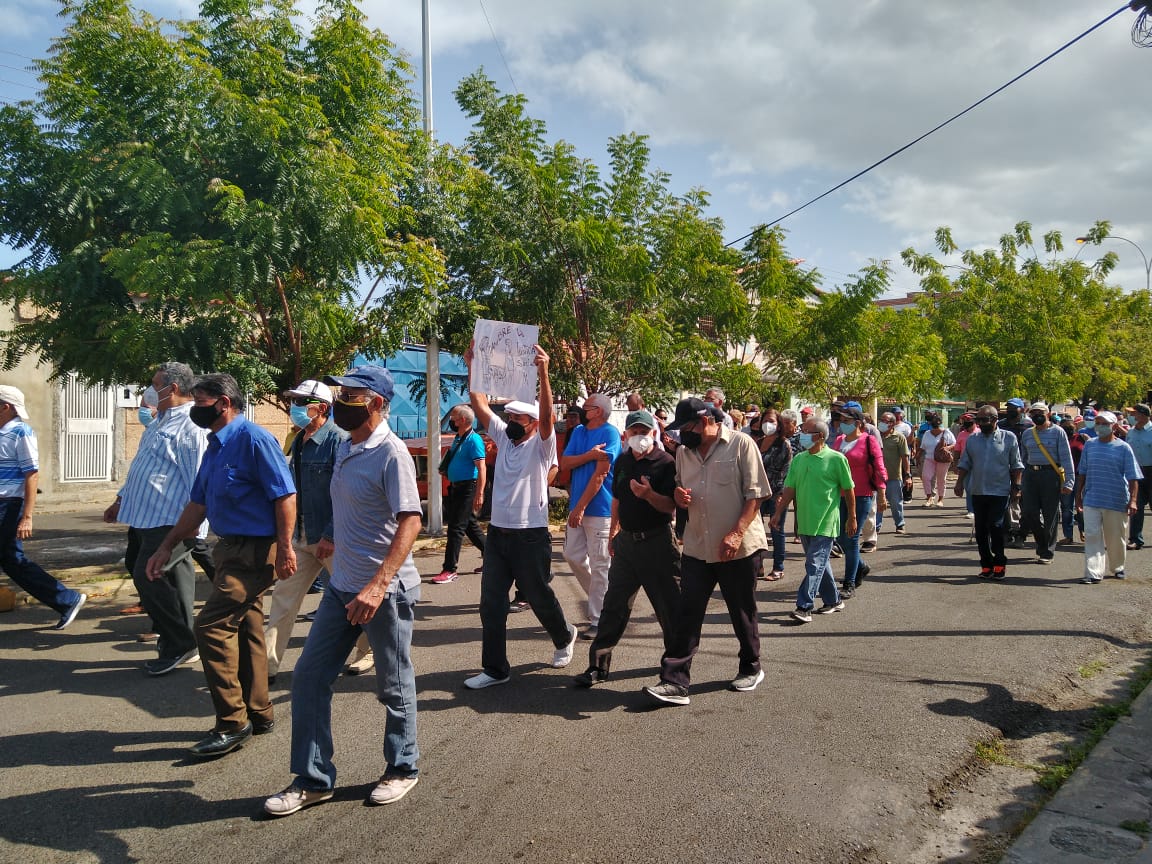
x,y
1104,811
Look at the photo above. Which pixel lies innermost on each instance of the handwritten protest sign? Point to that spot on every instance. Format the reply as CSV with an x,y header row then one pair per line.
x,y
502,360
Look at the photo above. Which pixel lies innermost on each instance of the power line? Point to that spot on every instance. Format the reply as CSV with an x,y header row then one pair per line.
x,y
915,141
17,83
499,49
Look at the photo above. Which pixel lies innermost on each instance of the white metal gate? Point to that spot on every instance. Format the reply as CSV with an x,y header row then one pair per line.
x,y
86,432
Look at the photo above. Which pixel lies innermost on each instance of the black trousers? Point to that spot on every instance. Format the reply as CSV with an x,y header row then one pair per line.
x,y
698,579
651,562
988,513
1143,499
460,521
1040,508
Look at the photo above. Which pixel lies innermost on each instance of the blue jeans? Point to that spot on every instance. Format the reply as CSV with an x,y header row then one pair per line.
x,y
894,489
331,638
779,538
851,544
28,575
817,573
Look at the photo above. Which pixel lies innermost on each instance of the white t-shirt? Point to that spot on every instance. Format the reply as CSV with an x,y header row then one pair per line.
x,y
520,488
929,441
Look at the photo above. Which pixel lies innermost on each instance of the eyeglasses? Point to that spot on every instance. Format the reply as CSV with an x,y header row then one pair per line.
x,y
301,401
661,417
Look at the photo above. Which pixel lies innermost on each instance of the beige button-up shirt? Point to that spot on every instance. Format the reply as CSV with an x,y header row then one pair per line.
x,y
731,474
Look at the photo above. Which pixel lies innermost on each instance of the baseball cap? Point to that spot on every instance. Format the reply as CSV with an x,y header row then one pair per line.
x,y
854,405
374,378
692,409
528,409
1106,415
898,410
806,411
14,397
639,418
1016,402
1039,406
1141,408
850,413
310,389
1089,413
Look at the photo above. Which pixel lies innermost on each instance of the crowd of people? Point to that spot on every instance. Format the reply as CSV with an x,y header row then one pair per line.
x,y
675,505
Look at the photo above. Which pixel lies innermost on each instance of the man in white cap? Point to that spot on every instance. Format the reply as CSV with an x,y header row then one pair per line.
x,y
19,466
1106,492
1048,474
519,546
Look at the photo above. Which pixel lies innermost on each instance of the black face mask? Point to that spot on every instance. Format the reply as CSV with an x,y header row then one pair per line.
x,y
515,431
204,415
1012,413
691,439
349,415
986,426
1039,419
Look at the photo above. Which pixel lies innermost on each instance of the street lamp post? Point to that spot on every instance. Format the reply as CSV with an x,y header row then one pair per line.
x,y
1147,265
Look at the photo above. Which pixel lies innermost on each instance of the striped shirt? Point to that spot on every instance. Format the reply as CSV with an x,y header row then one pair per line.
x,y
18,457
1108,467
160,478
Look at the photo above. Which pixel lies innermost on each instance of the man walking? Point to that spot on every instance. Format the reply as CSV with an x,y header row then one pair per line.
x,y
373,588
818,478
897,463
519,546
467,475
311,457
1107,493
1017,422
592,448
158,485
1049,473
19,467
989,469
244,489
720,479
644,553
1140,440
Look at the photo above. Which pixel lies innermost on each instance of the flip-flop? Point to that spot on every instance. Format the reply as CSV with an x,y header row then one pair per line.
x,y
774,576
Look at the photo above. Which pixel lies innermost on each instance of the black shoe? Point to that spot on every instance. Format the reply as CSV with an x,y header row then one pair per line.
x,y
862,573
868,547
219,743
847,592
263,727
590,677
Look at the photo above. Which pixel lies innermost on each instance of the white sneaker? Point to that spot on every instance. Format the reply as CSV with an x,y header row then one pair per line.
x,y
929,501
391,789
479,682
939,502
561,657
362,663
294,798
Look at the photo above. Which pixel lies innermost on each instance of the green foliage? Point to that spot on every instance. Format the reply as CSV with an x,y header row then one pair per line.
x,y
1014,325
215,191
618,272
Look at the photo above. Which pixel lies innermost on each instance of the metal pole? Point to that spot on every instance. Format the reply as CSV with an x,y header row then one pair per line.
x,y
432,365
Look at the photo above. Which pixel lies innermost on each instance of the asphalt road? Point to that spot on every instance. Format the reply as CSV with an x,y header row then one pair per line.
x,y
835,758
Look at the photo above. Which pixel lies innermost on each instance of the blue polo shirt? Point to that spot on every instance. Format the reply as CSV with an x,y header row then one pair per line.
x,y
242,473
1140,440
18,457
463,464
1108,467
581,441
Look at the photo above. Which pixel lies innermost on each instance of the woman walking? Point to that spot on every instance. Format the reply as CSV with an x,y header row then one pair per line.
x,y
936,444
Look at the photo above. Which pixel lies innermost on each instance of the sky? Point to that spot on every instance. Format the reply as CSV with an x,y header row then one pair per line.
x,y
766,104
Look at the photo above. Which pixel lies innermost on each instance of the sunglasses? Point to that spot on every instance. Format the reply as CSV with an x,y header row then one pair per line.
x,y
301,401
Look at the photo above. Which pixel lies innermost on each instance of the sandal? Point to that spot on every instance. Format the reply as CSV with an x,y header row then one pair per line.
x,y
774,576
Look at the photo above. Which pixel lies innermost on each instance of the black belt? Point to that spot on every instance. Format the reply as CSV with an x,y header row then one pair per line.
x,y
461,482
650,534
1041,468
240,538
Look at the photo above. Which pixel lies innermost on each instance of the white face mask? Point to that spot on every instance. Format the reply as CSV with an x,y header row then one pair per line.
x,y
768,428
640,444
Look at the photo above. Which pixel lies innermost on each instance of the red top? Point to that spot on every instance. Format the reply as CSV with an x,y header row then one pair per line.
x,y
866,461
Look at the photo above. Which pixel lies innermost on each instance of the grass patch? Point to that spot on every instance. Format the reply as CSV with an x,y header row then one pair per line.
x,y
1135,827
1051,777
1091,670
994,751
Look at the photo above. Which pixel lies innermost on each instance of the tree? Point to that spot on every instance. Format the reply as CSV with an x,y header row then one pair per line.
x,y
1014,325
629,283
214,191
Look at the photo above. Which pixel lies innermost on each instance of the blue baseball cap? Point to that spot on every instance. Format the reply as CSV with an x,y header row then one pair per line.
x,y
855,405
1016,402
375,378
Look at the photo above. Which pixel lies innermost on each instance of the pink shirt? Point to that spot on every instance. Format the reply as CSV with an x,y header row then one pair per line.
x,y
866,461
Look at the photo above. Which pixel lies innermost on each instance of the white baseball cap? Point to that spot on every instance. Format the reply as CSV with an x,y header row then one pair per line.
x,y
529,409
311,390
14,397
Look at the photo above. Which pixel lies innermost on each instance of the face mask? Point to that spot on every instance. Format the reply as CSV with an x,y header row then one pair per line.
x,y
515,431
807,439
146,418
769,428
986,427
299,415
349,415
847,428
640,444
150,397
1103,430
691,439
204,415
1131,419
1012,411
882,426
1039,419
935,424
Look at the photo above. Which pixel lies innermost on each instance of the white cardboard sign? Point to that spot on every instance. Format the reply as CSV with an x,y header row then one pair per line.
x,y
502,360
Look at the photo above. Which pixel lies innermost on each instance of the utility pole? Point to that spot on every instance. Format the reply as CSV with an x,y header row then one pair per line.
x,y
432,362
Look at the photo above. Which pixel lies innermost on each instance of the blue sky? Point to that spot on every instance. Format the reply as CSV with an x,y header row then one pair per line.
x,y
767,103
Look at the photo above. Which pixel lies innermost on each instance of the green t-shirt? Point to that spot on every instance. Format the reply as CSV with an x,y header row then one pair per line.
x,y
818,479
